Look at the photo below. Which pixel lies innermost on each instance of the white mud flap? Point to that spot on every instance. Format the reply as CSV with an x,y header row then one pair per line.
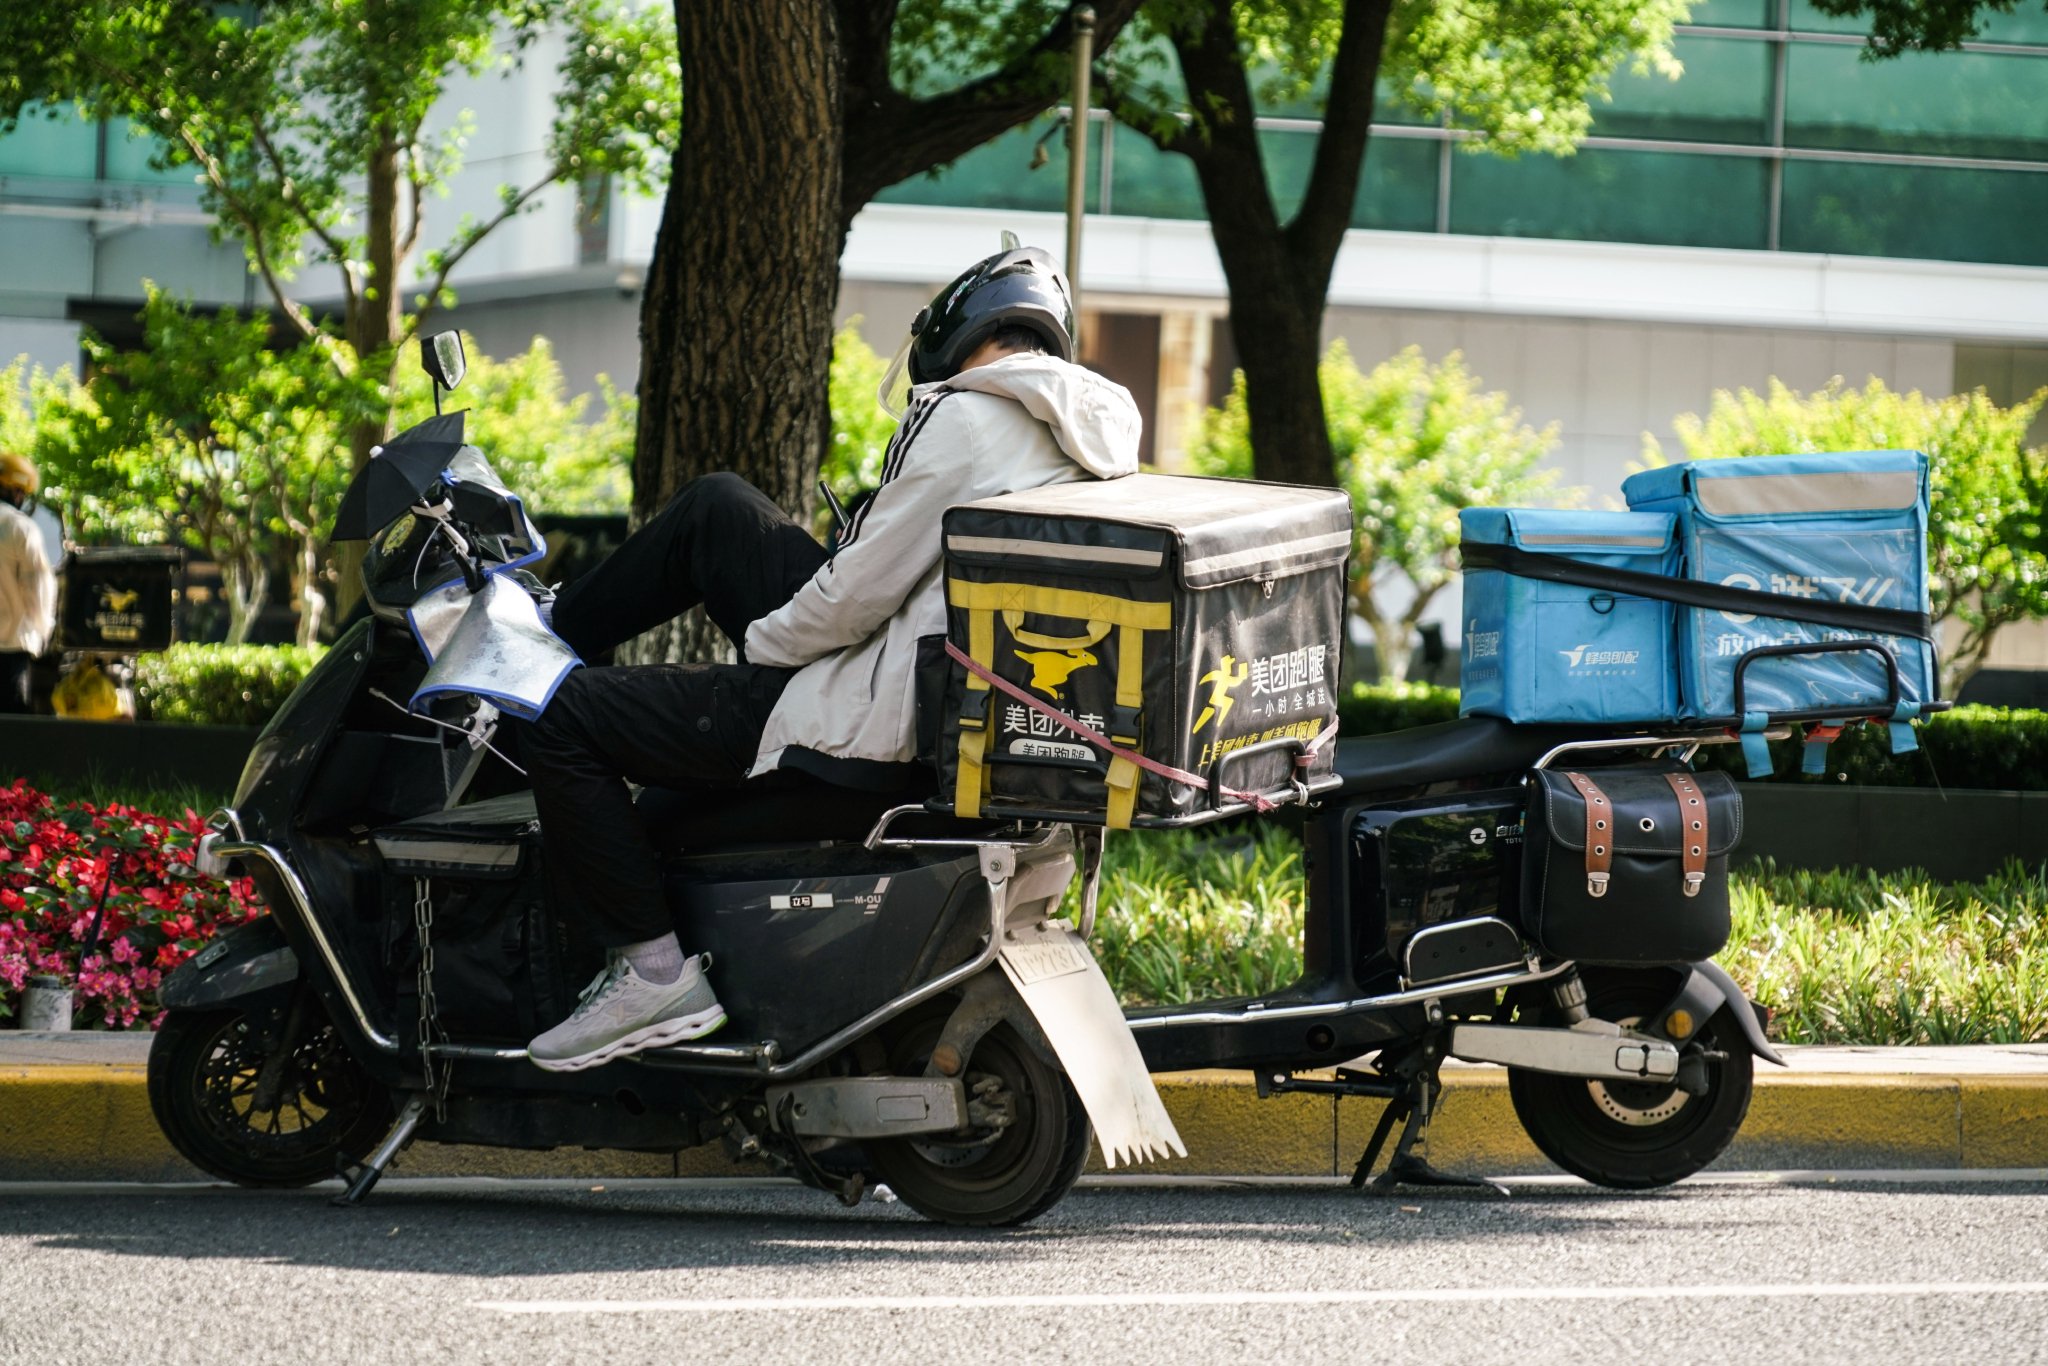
x,y
1058,978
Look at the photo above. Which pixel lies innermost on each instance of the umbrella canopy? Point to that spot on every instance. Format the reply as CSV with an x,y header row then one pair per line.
x,y
398,475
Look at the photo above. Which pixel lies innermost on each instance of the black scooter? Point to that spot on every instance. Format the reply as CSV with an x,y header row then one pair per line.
x,y
905,1009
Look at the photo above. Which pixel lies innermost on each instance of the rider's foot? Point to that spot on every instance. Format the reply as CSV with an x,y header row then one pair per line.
x,y
622,1013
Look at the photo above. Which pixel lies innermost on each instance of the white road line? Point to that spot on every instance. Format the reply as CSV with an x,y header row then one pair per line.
x,y
1478,1294
457,1185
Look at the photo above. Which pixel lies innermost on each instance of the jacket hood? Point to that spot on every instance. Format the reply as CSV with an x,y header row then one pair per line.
x,y
1095,420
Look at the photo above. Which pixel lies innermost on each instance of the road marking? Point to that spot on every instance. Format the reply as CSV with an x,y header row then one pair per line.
x,y
397,1185
1477,1294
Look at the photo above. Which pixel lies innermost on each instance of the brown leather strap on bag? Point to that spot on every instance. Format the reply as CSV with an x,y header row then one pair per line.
x,y
1599,833
1692,816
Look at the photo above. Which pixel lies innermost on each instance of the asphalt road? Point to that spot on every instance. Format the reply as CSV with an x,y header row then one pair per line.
x,y
1725,1269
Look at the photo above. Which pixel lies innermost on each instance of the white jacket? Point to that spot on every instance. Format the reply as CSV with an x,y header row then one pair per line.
x,y
1018,423
28,588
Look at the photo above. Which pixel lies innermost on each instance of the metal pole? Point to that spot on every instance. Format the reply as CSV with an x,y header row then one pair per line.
x,y
1077,154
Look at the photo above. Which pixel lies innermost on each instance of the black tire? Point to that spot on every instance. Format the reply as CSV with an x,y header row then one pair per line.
x,y
202,1075
1009,1178
1636,1135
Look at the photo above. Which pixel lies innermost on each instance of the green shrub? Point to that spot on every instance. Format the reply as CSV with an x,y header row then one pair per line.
x,y
1375,708
220,685
1991,748
1843,957
1190,915
1994,748
1853,957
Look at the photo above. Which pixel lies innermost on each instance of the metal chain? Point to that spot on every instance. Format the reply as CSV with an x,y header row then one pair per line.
x,y
430,1025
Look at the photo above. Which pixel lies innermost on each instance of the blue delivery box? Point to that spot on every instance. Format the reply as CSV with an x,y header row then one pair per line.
x,y
1536,650
1846,528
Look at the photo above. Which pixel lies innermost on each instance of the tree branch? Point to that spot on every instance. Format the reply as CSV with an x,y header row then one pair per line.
x,y
511,207
890,136
305,215
414,183
1184,138
864,27
1232,171
1318,227
300,320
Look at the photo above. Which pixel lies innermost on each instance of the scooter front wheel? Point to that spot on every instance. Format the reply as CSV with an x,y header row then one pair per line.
x,y
1634,1135
209,1093
1008,1175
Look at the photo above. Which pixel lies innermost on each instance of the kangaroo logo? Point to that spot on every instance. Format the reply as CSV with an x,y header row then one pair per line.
x,y
1228,674
115,600
1051,668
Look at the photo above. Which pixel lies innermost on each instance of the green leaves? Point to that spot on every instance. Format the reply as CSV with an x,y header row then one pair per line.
x,y
860,427
621,110
1987,559
561,454
1520,75
1414,442
317,129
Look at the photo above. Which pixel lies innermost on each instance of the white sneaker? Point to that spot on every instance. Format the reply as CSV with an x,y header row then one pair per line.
x,y
622,1013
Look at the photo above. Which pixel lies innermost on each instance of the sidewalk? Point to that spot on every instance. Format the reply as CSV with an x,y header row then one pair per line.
x,y
74,1107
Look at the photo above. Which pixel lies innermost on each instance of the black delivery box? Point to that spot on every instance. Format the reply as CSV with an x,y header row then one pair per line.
x,y
120,599
1194,622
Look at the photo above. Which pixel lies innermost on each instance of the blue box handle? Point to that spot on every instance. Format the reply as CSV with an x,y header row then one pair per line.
x,y
1897,713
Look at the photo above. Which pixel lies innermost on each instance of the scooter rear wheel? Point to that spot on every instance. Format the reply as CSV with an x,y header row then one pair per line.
x,y
1636,1135
203,1073
1009,1176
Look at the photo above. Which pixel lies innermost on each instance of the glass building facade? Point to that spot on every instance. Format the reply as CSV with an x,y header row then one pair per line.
x,y
1779,136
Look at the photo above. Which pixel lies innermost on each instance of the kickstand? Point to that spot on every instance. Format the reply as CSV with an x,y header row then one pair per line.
x,y
364,1176
846,1189
1409,1165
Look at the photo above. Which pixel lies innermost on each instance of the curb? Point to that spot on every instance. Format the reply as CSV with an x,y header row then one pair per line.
x,y
80,1112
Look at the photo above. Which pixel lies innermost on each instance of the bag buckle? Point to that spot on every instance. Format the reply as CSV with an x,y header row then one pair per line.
x,y
1693,883
1596,884
974,710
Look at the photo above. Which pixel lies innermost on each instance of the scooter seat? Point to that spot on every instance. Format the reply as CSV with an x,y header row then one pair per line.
x,y
1470,747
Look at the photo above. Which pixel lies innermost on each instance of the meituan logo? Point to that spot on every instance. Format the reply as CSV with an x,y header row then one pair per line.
x,y
1226,675
1583,657
1051,668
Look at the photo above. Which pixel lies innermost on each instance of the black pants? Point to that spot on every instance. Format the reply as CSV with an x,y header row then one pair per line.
x,y
721,543
14,667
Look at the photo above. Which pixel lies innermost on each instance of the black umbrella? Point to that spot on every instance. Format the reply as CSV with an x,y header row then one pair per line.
x,y
398,476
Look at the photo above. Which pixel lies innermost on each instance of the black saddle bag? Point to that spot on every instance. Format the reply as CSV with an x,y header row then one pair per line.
x,y
1629,865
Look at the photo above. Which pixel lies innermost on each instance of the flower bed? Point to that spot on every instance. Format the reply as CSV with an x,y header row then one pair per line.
x,y
63,865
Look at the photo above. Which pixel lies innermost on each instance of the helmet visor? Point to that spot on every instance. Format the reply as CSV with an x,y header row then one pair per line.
x,y
894,391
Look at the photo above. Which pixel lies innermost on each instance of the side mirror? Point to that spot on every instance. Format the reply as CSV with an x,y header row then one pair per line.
x,y
441,357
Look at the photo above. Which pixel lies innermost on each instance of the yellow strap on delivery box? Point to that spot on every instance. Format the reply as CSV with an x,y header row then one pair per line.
x,y
1100,611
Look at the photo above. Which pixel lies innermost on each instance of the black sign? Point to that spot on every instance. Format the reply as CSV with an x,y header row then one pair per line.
x,y
119,600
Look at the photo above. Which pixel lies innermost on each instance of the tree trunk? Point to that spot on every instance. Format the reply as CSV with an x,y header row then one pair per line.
x,y
736,326
373,323
246,581
312,602
1279,275
1279,345
1392,647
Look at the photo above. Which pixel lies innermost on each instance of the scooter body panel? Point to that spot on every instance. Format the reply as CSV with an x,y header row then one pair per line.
x,y
800,951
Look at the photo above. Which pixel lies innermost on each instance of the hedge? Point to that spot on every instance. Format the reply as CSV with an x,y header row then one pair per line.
x,y
1986,748
1994,748
219,685
1376,708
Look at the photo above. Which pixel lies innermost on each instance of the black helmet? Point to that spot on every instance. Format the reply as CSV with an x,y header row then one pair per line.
x,y
1020,287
